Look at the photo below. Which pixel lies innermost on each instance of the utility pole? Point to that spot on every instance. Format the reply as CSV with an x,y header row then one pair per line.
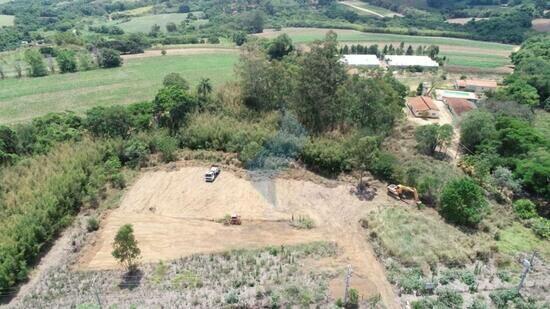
x,y
96,293
527,264
347,280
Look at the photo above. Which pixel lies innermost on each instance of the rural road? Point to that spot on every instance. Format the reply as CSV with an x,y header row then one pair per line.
x,y
362,9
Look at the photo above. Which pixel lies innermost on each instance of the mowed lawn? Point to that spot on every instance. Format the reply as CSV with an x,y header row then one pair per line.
x,y
6,20
461,52
137,80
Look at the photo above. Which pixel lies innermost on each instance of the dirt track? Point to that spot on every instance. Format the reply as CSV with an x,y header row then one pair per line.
x,y
174,213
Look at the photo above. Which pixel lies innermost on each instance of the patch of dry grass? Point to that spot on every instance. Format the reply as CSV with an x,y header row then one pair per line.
x,y
418,237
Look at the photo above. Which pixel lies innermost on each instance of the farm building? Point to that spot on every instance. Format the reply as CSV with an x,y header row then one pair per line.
x,y
423,107
410,61
476,85
459,106
361,60
442,94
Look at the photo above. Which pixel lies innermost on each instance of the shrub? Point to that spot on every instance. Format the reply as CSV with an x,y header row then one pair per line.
x,y
502,298
303,222
231,298
37,67
450,298
387,167
326,155
175,79
66,60
353,300
541,227
109,58
463,202
525,209
206,131
167,146
113,121
135,152
478,304
92,224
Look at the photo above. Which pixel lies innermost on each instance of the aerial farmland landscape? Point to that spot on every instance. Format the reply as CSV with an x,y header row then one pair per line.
x,y
274,154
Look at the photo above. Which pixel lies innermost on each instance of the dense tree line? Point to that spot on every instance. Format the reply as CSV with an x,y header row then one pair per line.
x,y
432,51
532,71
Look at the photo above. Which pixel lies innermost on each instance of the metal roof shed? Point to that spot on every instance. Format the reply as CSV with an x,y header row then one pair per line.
x,y
410,61
361,60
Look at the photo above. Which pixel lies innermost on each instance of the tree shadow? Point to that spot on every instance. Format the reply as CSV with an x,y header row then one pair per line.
x,y
364,192
131,279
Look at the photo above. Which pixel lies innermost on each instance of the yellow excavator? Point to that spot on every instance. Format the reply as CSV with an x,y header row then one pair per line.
x,y
402,193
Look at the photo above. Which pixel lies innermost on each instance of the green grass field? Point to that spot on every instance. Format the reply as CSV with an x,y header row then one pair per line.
x,y
461,52
144,23
6,20
138,80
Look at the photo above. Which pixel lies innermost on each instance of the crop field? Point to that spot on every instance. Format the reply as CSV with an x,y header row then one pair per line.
x,y
368,9
137,80
462,52
144,23
6,20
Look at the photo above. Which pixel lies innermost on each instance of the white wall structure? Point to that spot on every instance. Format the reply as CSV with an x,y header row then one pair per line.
x,y
361,60
409,61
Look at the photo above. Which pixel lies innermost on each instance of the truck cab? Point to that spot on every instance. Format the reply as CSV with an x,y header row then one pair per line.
x,y
212,174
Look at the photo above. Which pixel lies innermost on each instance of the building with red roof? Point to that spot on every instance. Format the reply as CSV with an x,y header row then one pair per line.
x,y
423,107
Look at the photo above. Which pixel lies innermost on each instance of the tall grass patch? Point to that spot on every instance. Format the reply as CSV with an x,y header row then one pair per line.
x,y
415,237
39,196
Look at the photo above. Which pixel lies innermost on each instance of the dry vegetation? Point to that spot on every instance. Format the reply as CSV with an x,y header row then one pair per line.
x,y
244,278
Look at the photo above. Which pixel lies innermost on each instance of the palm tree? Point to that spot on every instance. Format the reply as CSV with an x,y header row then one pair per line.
x,y
204,88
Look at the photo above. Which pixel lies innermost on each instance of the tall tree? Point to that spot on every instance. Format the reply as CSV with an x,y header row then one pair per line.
x,y
280,47
320,75
171,107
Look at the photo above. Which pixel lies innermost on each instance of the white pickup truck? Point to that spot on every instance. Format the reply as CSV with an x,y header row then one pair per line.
x,y
211,175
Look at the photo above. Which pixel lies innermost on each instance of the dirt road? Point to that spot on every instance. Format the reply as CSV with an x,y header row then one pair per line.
x,y
362,9
174,214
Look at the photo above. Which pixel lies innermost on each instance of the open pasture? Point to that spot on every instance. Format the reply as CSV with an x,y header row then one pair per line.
x,y
137,80
6,20
144,23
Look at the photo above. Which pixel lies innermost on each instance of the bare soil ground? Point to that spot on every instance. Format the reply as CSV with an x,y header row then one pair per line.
x,y
174,214
462,21
541,24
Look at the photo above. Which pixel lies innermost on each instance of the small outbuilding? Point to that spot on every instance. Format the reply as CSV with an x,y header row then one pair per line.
x,y
476,85
399,61
459,106
361,60
423,107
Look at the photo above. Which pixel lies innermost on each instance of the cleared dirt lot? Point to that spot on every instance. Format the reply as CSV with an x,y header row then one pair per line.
x,y
174,214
